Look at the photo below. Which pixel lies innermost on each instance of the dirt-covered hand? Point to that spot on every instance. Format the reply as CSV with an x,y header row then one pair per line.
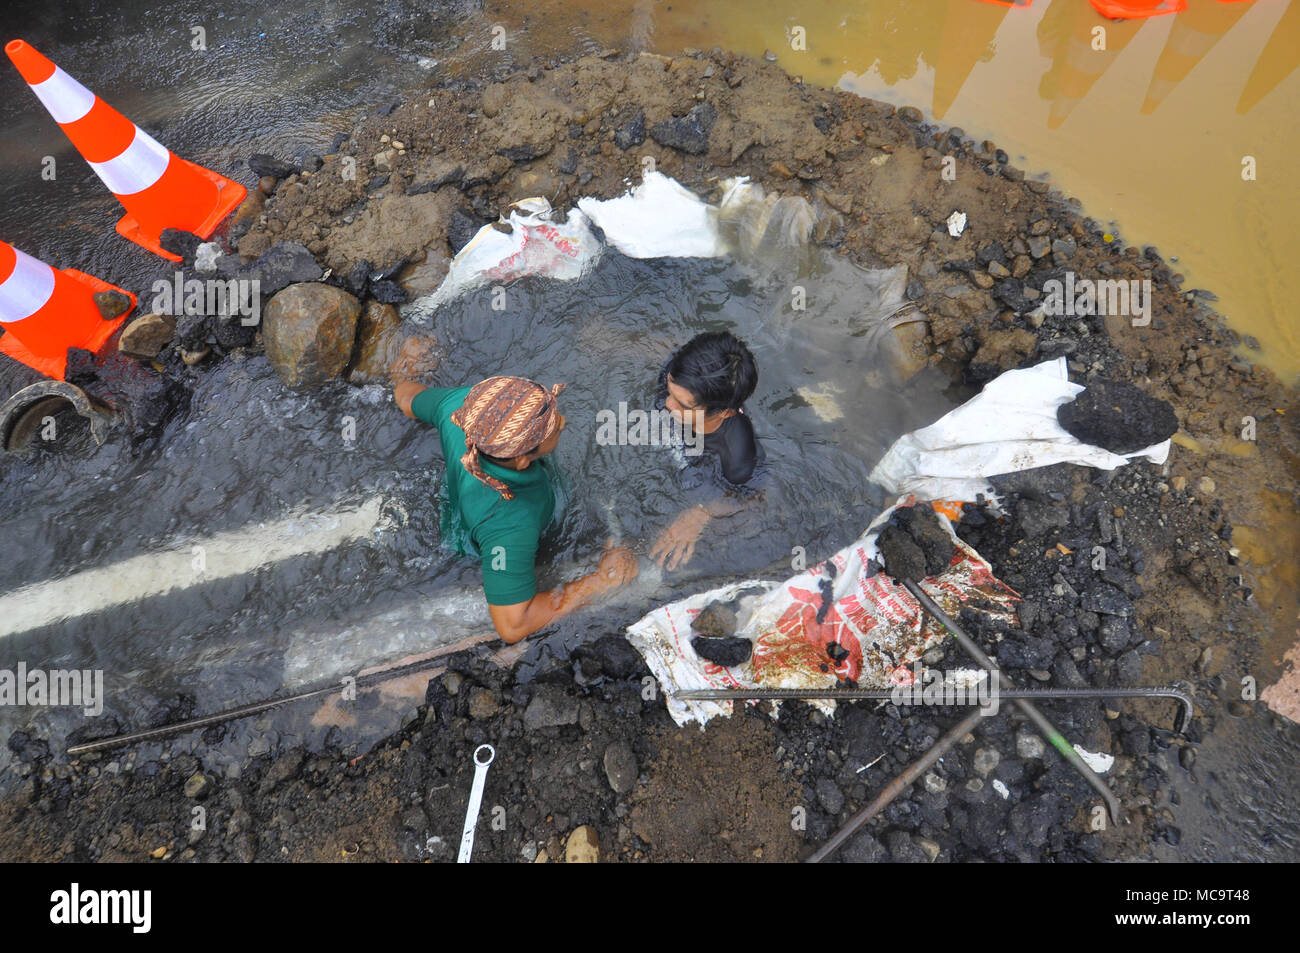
x,y
618,566
676,544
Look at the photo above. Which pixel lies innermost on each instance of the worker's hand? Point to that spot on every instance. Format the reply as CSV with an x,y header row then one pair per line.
x,y
618,566
676,544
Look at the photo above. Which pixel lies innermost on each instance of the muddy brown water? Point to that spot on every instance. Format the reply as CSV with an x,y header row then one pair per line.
x,y
1132,131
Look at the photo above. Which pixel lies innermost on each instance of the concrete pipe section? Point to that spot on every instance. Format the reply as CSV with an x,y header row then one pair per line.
x,y
23,415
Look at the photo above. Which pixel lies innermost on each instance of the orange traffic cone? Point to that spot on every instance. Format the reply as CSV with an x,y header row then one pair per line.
x,y
1133,9
159,189
45,311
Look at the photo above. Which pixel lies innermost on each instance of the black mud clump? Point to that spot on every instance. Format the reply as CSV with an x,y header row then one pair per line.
x,y
922,524
728,652
689,133
715,638
914,544
903,558
1117,417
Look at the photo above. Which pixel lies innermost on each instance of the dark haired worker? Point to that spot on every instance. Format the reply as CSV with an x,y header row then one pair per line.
x,y
705,385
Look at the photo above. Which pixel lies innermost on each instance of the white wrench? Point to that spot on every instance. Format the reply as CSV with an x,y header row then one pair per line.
x,y
475,799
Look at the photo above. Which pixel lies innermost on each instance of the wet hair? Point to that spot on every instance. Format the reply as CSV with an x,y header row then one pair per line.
x,y
717,369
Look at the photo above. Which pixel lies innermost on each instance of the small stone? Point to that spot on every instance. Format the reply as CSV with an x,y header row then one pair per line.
x,y
1205,486
198,786
1039,246
111,304
1021,266
829,796
621,768
1179,483
1029,745
999,270
146,336
192,357
986,760
934,783
582,847
482,704
716,621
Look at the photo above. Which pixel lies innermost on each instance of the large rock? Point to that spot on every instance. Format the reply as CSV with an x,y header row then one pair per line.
x,y
462,225
616,656
632,132
862,848
1117,417
728,652
308,330
378,343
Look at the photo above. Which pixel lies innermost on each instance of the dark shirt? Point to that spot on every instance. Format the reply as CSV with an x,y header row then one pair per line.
x,y
733,446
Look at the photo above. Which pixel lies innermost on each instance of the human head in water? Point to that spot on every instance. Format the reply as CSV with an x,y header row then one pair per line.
x,y
713,373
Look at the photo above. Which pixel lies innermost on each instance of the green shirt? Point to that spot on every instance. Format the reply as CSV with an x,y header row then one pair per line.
x,y
476,520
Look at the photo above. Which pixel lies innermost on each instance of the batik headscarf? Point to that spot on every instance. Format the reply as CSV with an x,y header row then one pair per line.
x,y
505,417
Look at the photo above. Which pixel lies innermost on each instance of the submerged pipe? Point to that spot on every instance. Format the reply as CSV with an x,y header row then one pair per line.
x,y
23,414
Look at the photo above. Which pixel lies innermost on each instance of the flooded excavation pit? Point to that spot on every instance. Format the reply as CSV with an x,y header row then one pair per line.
x,y
277,540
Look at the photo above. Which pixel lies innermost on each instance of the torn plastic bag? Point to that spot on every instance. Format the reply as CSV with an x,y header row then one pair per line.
x,y
659,218
534,244
1009,426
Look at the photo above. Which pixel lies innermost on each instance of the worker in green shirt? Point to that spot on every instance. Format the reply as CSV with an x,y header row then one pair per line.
x,y
498,495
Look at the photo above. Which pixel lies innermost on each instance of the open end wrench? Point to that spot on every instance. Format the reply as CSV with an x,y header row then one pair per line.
x,y
483,756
